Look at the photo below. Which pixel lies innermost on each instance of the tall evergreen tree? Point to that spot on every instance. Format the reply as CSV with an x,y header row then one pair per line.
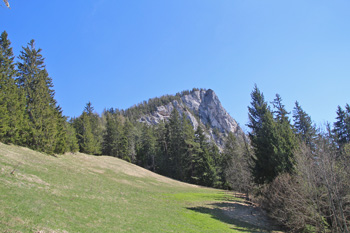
x,y
162,152
174,137
6,74
41,106
126,142
87,125
12,101
286,140
272,140
86,139
303,127
191,153
72,140
111,135
280,112
205,165
147,152
342,126
96,127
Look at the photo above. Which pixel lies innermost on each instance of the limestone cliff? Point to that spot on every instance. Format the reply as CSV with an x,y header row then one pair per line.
x,y
201,107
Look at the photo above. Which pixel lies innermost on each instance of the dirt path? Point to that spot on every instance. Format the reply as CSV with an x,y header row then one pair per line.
x,y
248,213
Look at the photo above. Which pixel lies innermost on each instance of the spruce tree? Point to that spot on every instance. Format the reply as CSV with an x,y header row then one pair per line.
x,y
6,74
41,107
86,138
12,100
96,127
111,135
191,153
205,165
272,139
162,152
147,152
303,127
174,137
342,126
72,140
286,140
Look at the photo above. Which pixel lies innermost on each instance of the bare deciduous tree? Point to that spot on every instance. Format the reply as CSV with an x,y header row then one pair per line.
x,y
317,196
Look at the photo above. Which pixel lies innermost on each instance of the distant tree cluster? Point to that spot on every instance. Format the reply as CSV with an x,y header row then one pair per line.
x,y
171,148
29,113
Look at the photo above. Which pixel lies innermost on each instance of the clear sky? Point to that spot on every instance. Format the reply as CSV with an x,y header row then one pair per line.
x,y
118,53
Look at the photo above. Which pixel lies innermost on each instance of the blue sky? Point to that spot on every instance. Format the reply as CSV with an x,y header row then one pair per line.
x,y
118,53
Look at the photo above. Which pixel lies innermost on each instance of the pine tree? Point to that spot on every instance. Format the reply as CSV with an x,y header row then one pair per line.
x,y
41,106
257,111
147,153
126,142
272,139
96,127
162,152
205,167
61,139
342,126
12,100
303,127
191,153
72,140
286,140
111,135
87,142
174,137
6,74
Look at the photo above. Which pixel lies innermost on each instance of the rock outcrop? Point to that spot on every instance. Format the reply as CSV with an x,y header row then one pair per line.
x,y
201,107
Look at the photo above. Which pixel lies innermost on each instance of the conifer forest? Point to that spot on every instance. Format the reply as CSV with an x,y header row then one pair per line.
x,y
298,172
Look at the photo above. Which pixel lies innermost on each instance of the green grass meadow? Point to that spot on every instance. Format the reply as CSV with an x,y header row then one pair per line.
x,y
83,193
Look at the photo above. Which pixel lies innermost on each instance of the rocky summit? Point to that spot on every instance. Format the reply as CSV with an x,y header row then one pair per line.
x,y
201,107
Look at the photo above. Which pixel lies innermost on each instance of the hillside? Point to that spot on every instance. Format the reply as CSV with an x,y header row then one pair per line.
x,y
83,193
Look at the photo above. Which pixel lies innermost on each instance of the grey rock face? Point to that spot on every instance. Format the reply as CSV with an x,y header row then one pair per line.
x,y
203,108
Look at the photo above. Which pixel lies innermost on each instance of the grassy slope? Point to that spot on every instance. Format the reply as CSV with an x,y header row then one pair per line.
x,y
83,193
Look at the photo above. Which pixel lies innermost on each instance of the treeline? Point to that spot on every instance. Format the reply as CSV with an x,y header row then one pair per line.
x,y
299,173
171,148
146,107
29,113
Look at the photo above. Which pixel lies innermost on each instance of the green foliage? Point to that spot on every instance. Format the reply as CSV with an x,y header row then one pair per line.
x,y
342,126
29,114
236,164
272,139
303,127
111,135
12,99
146,156
46,123
71,137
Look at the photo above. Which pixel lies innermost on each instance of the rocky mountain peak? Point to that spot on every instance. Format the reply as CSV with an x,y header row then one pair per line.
x,y
201,107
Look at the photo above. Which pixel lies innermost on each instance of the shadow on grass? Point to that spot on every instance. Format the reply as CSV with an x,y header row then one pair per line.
x,y
233,197
244,218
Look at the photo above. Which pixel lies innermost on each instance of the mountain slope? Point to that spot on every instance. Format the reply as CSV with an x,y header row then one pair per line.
x,y
203,108
83,193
